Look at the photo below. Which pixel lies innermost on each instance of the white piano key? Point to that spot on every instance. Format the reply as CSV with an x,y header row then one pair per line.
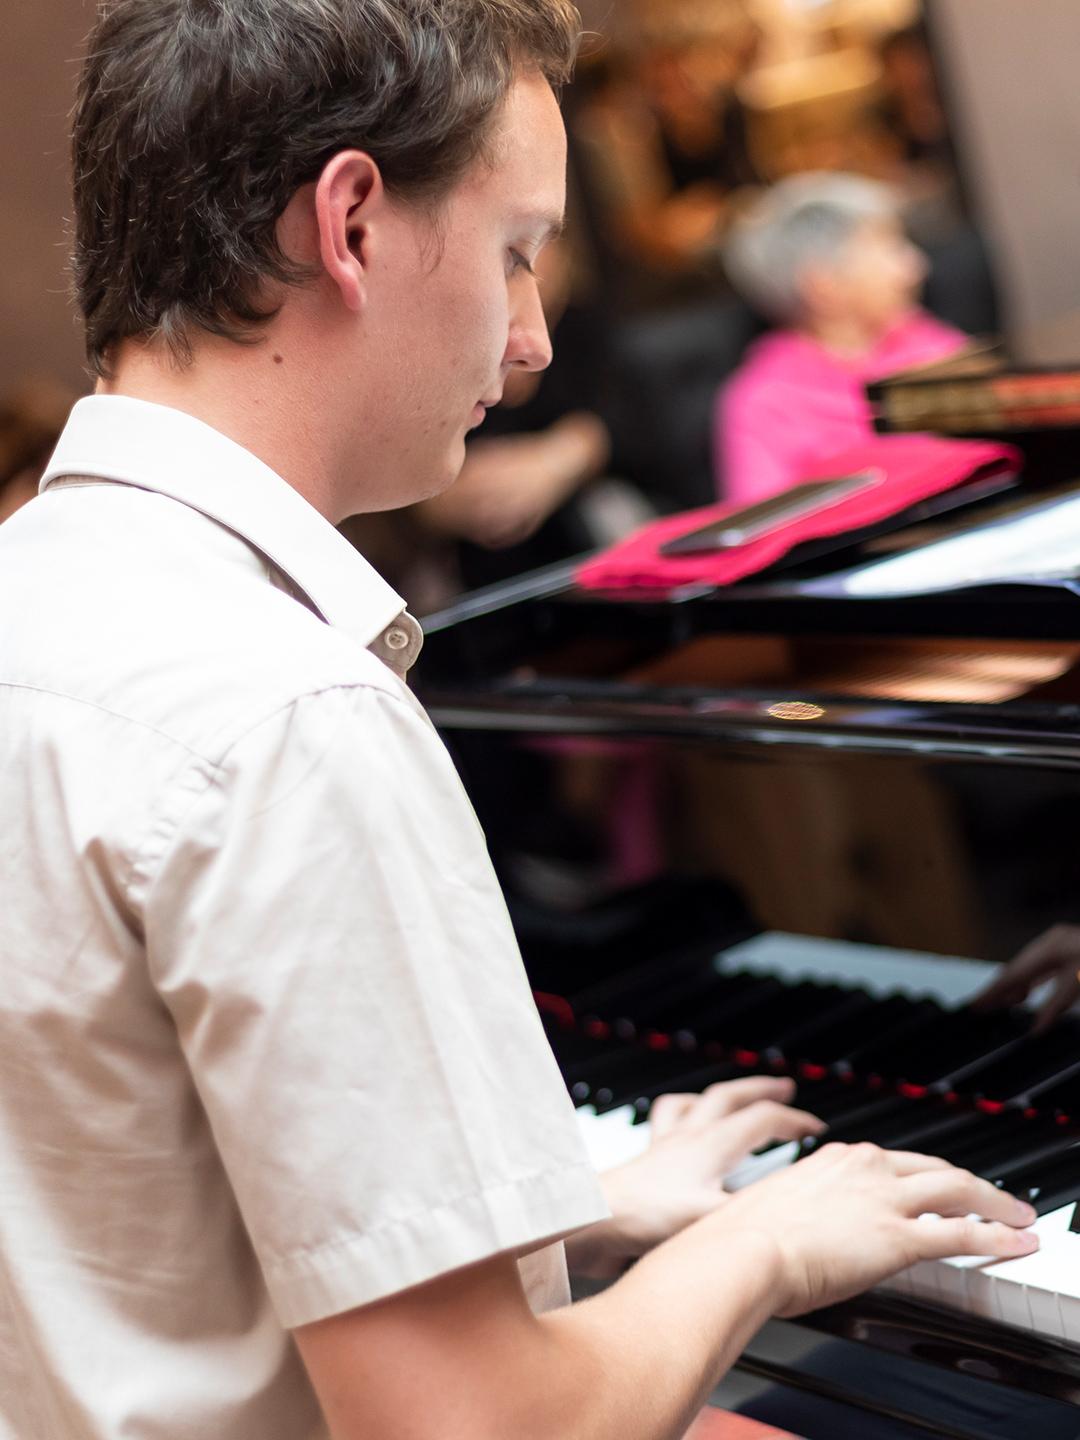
x,y
756,1167
1044,1307
874,968
612,1139
899,1284
920,1282
1041,1292
959,1284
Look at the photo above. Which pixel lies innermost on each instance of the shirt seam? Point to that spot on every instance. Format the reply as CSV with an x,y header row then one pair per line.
x,y
279,1265
144,868
107,710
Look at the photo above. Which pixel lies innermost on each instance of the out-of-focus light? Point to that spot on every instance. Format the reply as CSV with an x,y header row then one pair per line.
x,y
796,710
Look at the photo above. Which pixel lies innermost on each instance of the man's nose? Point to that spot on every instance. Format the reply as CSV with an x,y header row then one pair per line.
x,y
529,344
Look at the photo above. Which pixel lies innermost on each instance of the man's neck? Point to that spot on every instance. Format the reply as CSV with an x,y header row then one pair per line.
x,y
247,394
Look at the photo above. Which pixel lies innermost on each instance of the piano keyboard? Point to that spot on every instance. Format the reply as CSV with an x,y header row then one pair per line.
x,y
883,1048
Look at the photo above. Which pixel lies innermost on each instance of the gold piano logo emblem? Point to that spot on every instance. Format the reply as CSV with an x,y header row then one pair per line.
x,y
796,710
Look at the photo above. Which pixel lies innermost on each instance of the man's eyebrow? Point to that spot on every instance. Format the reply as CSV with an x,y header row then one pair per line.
x,y
547,226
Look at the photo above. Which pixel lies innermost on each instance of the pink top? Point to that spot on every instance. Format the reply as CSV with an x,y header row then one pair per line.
x,y
792,403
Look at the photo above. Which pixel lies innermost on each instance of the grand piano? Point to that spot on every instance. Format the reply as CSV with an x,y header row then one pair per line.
x,y
773,829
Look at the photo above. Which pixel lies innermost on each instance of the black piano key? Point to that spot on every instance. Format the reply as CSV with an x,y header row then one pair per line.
x,y
724,1018
851,1128
945,1045
910,1116
1061,1097
678,1010
1070,1076
612,1059
769,1028
827,1007
874,1055
823,1039
1037,1062
962,1047
586,1066
987,1142
648,985
692,1082
1052,1198
829,1097
573,1047
756,1026
1047,1143
1050,1186
937,1126
657,1071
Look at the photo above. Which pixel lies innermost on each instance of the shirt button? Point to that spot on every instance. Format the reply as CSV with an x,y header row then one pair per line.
x,y
397,639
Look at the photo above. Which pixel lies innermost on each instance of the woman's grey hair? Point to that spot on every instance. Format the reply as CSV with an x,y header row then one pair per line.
x,y
198,120
804,220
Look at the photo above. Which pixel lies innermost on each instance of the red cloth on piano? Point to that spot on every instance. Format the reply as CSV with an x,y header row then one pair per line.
x,y
916,467
719,1425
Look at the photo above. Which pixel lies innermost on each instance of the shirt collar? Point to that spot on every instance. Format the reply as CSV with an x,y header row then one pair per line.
x,y
154,447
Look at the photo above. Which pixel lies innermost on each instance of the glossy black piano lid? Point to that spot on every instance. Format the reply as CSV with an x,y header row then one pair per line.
x,y
956,854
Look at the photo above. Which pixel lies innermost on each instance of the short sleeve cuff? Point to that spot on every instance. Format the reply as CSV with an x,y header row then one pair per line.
x,y
361,1268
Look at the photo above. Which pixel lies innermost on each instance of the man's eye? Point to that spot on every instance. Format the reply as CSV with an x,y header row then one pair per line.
x,y
520,262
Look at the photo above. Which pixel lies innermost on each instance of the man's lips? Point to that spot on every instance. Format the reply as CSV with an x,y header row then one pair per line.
x,y
481,408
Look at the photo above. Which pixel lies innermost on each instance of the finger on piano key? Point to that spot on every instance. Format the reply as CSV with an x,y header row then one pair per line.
x,y
1041,1292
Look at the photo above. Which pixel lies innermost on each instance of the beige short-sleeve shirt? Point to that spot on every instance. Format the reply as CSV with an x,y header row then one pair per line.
x,y
267,1050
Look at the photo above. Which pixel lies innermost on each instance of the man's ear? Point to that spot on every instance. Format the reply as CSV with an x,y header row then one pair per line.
x,y
348,194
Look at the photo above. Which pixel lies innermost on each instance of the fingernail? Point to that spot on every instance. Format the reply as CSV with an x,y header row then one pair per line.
x,y
1027,1213
1026,1241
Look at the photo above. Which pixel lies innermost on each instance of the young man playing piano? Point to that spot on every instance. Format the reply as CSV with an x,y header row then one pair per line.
x,y
283,1152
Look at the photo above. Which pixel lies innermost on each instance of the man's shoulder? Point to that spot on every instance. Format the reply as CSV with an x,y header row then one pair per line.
x,y
176,628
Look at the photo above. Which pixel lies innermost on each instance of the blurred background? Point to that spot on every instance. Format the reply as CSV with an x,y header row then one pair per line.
x,y
683,113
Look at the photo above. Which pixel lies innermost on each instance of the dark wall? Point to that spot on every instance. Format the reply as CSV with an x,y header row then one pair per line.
x,y
39,47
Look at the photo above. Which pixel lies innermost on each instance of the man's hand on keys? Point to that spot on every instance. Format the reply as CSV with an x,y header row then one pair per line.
x,y
696,1141
851,1215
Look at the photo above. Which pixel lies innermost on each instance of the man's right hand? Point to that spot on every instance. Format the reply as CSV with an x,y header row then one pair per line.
x,y
851,1215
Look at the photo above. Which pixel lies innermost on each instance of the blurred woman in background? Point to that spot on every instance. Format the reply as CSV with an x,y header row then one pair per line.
x,y
825,258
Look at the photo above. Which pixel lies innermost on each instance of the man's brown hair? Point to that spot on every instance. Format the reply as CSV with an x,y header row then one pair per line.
x,y
198,120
